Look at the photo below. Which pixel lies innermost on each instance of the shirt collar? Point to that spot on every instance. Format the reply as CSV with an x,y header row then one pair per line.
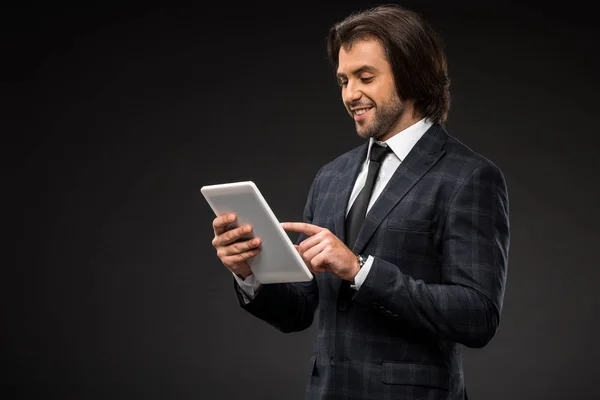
x,y
403,142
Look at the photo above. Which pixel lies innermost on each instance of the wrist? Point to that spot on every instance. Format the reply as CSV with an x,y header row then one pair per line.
x,y
243,275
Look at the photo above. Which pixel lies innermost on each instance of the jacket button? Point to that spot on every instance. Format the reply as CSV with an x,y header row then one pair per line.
x,y
343,305
332,361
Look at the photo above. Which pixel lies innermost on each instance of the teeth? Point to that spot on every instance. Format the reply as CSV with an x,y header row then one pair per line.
x,y
361,111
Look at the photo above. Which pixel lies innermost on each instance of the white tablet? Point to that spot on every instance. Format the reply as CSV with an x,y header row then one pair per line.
x,y
278,261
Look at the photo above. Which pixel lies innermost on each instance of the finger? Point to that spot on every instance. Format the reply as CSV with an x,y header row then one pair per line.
x,y
313,251
231,235
307,263
241,257
308,229
312,241
318,257
320,262
239,247
221,222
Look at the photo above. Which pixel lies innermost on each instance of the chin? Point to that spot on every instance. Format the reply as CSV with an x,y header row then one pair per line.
x,y
363,134
367,133
363,131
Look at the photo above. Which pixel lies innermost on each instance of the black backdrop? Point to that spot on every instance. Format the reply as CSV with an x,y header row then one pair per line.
x,y
115,117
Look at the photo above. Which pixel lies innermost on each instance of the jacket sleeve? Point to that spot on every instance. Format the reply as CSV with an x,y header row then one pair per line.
x,y
466,306
289,307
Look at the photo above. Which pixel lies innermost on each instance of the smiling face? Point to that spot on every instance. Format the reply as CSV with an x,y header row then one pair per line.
x,y
369,92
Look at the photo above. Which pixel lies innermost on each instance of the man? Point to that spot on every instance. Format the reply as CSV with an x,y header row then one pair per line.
x,y
426,269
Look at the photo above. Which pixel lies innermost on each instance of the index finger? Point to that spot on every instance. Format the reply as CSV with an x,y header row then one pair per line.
x,y
308,229
220,222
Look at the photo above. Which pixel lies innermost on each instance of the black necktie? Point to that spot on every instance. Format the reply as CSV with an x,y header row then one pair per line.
x,y
357,212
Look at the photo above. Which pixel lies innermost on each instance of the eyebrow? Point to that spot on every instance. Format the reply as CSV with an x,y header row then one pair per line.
x,y
358,71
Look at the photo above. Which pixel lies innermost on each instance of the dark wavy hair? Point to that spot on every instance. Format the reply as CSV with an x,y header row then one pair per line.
x,y
413,49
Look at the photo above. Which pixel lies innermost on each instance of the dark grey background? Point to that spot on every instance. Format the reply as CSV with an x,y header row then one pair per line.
x,y
114,119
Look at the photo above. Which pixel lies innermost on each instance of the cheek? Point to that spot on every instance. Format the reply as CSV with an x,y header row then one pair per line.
x,y
377,94
387,92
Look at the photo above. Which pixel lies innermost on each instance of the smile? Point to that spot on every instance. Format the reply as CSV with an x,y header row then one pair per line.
x,y
359,113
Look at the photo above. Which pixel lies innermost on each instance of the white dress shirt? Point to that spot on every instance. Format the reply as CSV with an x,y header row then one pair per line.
x,y
400,144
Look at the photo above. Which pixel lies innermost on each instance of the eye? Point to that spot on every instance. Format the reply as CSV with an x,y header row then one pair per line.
x,y
342,83
367,79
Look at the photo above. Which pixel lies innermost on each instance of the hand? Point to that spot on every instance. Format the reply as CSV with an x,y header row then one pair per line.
x,y
233,252
322,251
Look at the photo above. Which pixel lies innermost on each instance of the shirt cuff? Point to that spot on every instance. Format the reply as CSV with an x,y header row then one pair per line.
x,y
362,274
249,286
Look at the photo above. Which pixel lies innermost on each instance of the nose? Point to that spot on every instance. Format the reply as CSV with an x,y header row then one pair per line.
x,y
352,93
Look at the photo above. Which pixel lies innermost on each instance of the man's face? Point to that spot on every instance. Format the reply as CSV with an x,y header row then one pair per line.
x,y
368,90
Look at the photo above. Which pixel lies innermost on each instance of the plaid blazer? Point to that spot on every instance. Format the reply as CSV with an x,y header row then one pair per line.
x,y
439,235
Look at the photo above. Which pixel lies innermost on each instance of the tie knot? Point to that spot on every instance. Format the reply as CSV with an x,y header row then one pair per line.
x,y
378,152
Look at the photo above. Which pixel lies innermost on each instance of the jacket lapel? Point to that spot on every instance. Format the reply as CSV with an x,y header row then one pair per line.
x,y
426,152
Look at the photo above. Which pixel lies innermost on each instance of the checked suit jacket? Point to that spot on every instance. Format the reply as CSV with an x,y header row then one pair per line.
x,y
439,236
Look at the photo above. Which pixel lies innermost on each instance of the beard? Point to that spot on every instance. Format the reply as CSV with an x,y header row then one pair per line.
x,y
384,118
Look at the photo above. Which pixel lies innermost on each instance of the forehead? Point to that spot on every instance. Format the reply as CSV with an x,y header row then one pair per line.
x,y
367,52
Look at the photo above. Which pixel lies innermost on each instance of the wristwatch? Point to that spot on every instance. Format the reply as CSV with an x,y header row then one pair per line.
x,y
361,261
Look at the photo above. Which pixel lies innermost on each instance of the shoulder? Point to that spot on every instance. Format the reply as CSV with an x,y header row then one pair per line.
x,y
341,163
468,162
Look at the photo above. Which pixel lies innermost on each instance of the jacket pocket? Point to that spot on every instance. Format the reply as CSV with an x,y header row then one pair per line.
x,y
411,225
416,374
